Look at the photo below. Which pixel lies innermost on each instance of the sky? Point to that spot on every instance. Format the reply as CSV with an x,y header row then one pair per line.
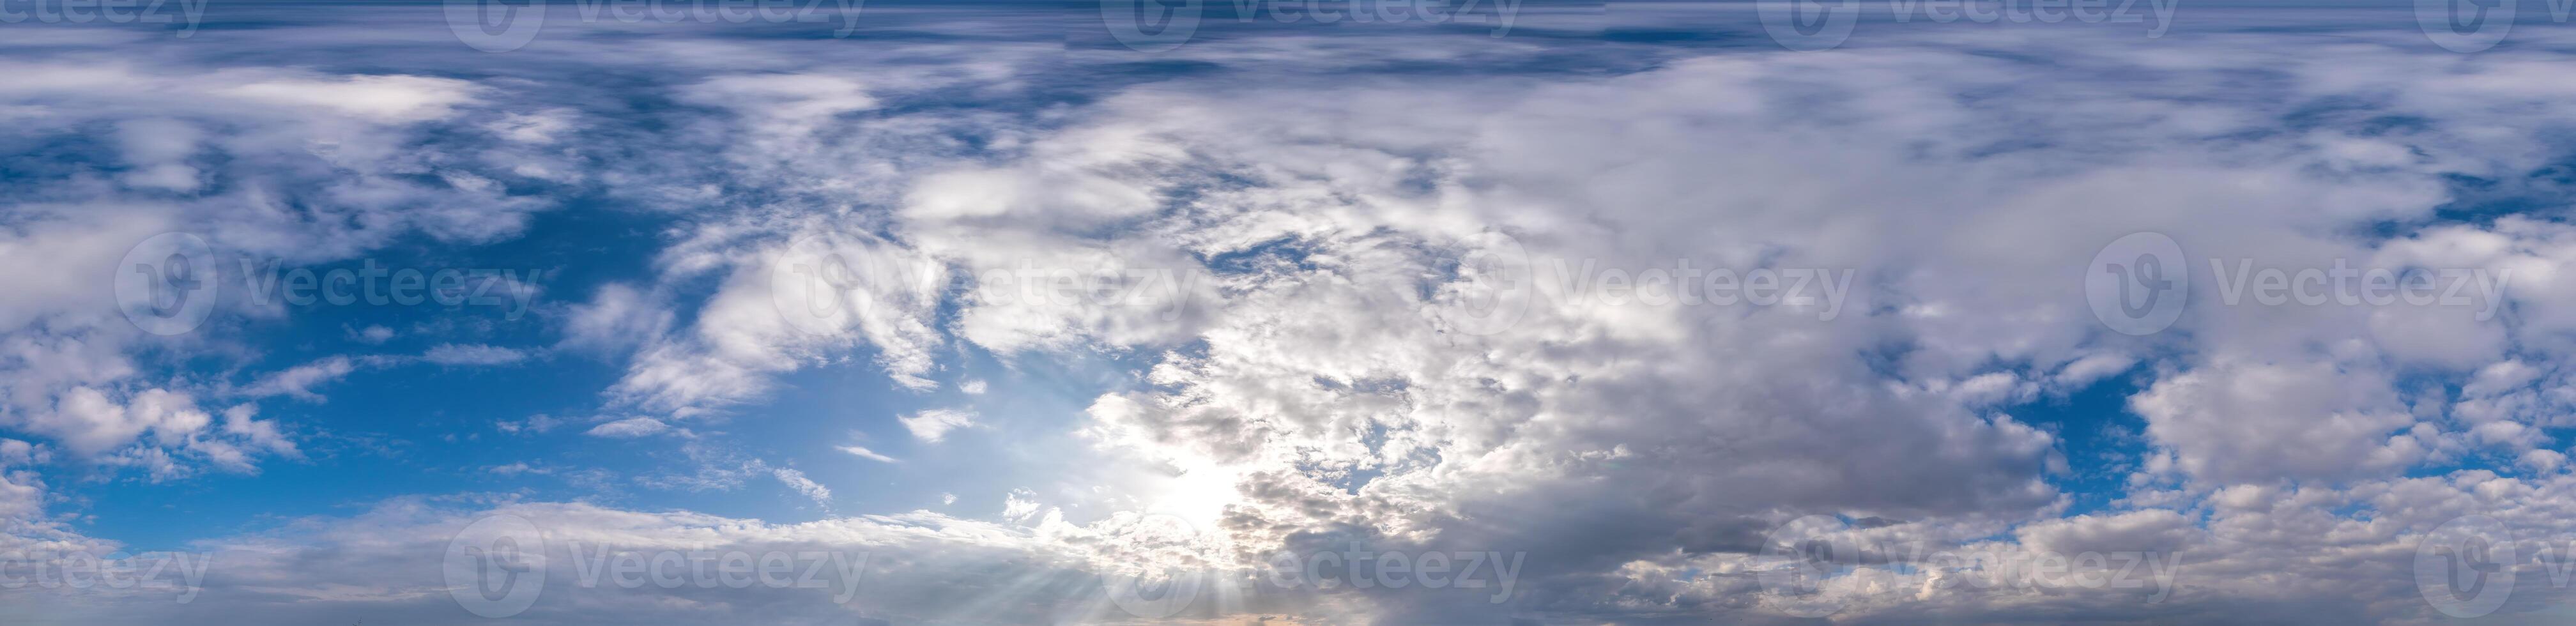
x,y
1392,312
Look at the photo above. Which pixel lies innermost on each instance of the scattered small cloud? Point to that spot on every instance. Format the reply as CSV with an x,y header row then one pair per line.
x,y
1019,504
535,424
515,469
473,354
934,425
629,428
371,335
797,480
865,453
298,382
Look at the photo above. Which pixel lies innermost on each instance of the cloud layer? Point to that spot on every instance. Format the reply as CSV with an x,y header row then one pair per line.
x,y
1362,293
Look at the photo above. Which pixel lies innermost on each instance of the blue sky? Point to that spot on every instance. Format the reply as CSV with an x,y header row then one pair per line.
x,y
1176,312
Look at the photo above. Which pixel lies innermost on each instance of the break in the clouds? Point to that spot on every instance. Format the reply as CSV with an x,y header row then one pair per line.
x,y
1506,313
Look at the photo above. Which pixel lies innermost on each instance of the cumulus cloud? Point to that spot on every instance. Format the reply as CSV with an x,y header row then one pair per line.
x,y
1288,275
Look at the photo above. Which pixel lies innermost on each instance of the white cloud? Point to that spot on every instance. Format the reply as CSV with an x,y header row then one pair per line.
x,y
299,381
372,334
1310,378
934,425
473,354
381,98
797,480
1019,505
864,453
617,317
629,428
